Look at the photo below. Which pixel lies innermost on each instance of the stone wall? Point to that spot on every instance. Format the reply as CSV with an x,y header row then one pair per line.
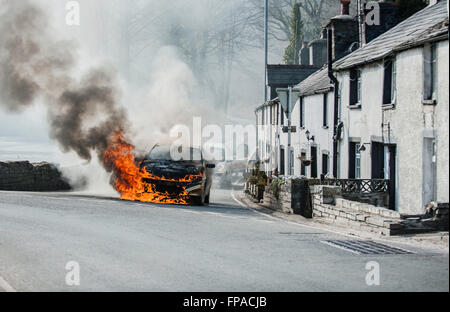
x,y
26,176
329,206
279,202
293,198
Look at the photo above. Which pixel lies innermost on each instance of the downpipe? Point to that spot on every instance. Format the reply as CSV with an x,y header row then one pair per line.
x,y
335,82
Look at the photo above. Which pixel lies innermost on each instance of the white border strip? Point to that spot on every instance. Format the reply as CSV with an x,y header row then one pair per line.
x,y
6,286
340,247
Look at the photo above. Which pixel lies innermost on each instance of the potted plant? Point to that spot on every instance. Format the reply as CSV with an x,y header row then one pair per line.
x,y
306,162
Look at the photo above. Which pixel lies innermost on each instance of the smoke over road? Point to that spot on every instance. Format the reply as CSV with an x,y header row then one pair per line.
x,y
83,114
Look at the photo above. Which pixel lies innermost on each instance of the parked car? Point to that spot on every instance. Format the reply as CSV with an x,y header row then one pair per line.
x,y
193,174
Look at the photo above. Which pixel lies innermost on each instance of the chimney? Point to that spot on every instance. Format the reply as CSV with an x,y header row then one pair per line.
x,y
318,52
304,54
344,32
345,7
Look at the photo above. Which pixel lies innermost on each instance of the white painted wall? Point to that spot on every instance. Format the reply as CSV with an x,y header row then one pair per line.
x,y
409,121
442,123
313,123
361,123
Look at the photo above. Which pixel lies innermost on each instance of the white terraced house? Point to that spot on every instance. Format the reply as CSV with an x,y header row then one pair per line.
x,y
388,118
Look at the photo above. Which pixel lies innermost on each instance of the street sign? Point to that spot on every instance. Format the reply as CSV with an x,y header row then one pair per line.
x,y
286,129
294,97
283,94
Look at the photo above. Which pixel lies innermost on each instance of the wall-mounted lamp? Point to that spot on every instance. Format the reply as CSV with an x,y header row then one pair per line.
x,y
362,148
309,137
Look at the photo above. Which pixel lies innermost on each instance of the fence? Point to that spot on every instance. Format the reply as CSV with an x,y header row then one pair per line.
x,y
356,186
374,191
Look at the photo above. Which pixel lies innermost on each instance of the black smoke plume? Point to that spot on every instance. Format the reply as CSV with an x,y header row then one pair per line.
x,y
84,114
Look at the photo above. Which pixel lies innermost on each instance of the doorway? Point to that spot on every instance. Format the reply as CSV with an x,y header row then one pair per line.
x,y
429,171
313,162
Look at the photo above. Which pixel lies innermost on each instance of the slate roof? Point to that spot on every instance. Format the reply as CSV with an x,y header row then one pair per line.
x,y
411,30
319,82
285,75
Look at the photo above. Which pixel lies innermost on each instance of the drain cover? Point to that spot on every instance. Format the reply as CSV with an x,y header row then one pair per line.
x,y
366,247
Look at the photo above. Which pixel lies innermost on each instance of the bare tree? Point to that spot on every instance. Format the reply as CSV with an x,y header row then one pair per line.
x,y
208,38
314,11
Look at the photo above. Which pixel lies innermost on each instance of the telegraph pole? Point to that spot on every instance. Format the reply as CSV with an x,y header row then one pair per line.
x,y
266,46
289,129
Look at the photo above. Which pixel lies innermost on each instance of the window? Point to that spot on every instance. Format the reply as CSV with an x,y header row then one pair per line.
x,y
358,161
354,161
325,110
355,87
291,162
325,164
302,113
277,108
430,72
270,115
281,115
389,89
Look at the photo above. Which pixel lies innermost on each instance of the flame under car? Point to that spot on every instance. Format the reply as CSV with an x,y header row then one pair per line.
x,y
187,179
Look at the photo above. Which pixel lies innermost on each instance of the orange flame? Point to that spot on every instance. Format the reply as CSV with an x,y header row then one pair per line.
x,y
129,178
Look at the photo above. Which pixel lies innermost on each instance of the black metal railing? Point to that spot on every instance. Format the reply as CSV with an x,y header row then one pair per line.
x,y
356,186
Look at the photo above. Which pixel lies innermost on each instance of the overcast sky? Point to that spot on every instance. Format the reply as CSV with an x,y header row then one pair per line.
x,y
24,135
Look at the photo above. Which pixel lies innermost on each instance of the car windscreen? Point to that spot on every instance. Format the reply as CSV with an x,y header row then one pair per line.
x,y
161,152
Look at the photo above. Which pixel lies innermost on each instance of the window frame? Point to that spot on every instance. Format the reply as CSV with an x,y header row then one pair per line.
x,y
357,160
355,87
325,111
430,59
390,77
302,112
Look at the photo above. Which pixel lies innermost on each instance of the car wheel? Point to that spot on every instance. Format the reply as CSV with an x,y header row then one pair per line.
x,y
198,201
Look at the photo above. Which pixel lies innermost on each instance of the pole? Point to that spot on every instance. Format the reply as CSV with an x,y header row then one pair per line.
x,y
266,46
289,129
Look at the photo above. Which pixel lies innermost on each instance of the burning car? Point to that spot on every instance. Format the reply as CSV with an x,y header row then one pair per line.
x,y
184,179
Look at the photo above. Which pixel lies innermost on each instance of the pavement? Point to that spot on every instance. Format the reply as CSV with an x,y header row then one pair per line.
x,y
434,240
46,239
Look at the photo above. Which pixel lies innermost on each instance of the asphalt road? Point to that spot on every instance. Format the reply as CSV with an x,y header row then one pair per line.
x,y
127,246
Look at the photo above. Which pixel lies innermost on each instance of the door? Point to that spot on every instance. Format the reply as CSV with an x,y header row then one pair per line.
x,y
354,166
325,162
377,160
313,162
429,171
282,161
392,171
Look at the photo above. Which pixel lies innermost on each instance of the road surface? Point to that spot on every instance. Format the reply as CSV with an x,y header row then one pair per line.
x,y
128,246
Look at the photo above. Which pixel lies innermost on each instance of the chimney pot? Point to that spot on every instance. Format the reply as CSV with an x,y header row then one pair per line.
x,y
345,7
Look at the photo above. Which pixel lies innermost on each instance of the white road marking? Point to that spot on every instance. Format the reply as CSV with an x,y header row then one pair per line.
x,y
5,286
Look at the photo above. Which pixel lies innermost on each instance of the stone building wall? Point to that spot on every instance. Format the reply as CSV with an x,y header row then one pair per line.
x,y
26,176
